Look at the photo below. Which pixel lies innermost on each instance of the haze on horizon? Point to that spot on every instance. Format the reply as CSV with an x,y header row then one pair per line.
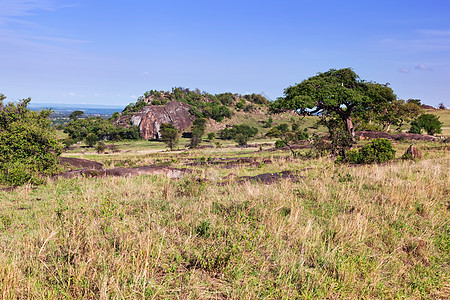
x,y
110,52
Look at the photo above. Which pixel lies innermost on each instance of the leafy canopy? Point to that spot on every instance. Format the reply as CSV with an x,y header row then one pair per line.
x,y
29,148
338,93
169,135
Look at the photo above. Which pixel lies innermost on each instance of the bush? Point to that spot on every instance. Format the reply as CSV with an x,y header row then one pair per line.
x,y
211,136
29,148
378,151
100,147
430,123
280,144
91,139
198,129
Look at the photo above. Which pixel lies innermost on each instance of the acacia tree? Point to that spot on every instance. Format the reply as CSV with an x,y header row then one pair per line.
x,y
338,93
397,113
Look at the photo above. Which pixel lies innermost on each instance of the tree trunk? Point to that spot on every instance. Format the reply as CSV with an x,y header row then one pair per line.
x,y
349,125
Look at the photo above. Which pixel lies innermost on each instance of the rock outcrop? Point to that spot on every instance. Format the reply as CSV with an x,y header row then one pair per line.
x,y
150,118
413,152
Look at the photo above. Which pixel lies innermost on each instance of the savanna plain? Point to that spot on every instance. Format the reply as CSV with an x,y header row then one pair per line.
x,y
336,231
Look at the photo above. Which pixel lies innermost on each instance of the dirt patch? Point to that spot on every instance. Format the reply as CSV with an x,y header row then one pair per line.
x,y
79,163
126,172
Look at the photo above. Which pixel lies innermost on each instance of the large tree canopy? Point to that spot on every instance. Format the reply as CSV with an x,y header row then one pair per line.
x,y
336,92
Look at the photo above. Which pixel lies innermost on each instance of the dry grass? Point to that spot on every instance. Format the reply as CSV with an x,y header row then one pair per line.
x,y
378,231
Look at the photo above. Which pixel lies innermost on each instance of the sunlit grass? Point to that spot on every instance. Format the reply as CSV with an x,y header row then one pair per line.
x,y
376,231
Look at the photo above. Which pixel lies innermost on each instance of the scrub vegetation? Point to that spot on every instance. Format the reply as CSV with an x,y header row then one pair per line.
x,y
271,206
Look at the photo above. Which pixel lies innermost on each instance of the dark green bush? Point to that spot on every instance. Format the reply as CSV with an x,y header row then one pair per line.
x,y
378,151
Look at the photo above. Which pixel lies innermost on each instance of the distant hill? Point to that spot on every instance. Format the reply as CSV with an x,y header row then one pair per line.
x,y
64,109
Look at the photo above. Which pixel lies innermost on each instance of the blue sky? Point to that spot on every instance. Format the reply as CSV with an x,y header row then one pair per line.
x,y
110,52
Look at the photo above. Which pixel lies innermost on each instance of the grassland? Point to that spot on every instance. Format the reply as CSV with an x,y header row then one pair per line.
x,y
373,231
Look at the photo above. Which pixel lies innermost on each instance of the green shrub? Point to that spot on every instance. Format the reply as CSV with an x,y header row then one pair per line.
x,y
91,139
198,129
430,123
378,151
280,144
67,142
169,135
211,136
29,148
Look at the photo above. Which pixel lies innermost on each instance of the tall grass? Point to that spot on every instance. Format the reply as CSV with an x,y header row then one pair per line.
x,y
378,231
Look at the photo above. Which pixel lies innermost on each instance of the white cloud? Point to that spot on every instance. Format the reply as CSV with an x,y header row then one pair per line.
x,y
404,70
422,67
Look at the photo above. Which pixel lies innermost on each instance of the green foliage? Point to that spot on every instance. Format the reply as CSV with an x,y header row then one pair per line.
x,y
114,116
76,114
339,138
79,129
256,98
268,123
430,123
91,139
396,113
100,147
249,108
169,135
278,130
28,145
378,151
211,136
226,99
339,93
67,142
198,129
274,132
135,107
280,144
240,133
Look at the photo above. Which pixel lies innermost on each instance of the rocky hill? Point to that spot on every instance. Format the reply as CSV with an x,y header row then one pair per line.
x,y
181,106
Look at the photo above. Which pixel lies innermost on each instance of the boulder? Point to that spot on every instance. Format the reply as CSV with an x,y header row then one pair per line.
x,y
413,152
150,118
78,163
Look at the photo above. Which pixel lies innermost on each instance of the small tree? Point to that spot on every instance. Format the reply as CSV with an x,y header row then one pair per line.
x,y
169,135
198,129
76,114
91,139
211,136
29,148
430,123
442,106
